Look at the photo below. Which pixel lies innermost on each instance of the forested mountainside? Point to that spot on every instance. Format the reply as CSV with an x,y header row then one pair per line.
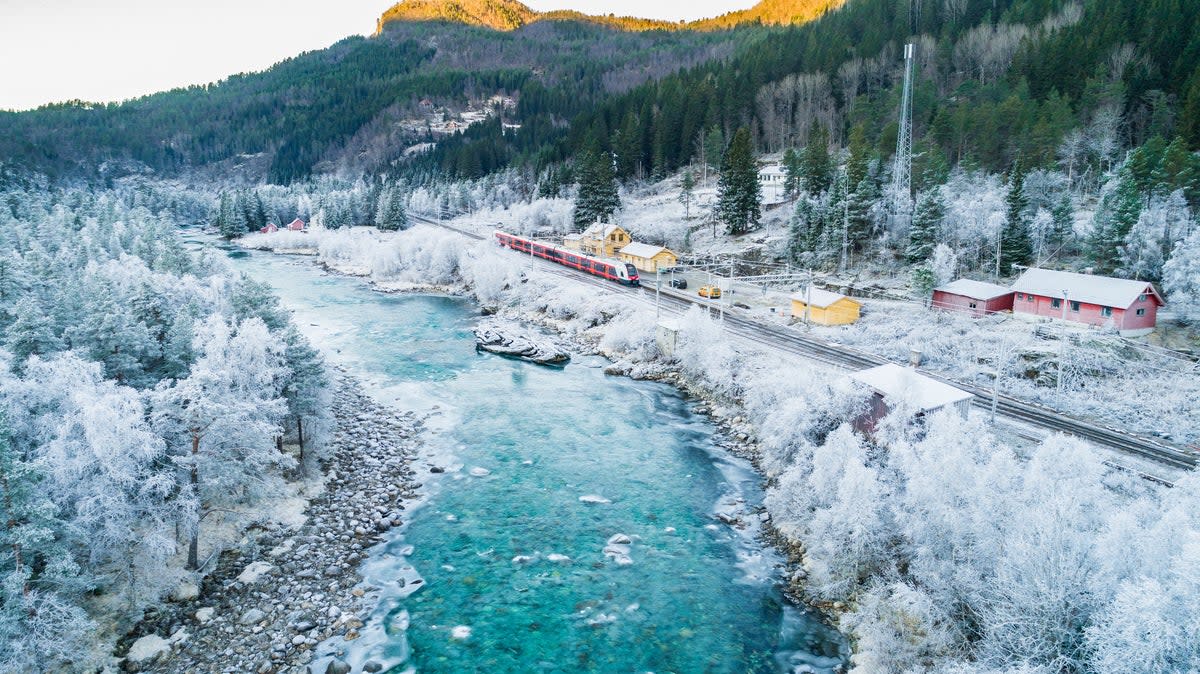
x,y
997,79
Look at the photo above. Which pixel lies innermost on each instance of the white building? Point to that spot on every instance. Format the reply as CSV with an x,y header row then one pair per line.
x,y
771,179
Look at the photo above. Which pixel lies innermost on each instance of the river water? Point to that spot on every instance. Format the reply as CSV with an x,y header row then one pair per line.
x,y
511,549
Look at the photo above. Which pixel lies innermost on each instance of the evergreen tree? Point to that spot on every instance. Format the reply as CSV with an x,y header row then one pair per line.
x,y
858,212
1016,246
714,147
687,193
597,199
32,332
923,281
1181,278
1119,212
858,162
792,178
391,216
1063,229
739,196
816,166
922,236
228,223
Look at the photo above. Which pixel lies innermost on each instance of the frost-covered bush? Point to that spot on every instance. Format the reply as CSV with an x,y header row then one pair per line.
x,y
706,354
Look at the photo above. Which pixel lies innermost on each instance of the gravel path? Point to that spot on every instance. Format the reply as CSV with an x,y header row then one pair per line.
x,y
270,602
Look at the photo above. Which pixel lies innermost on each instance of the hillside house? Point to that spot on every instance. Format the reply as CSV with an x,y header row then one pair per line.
x,y
823,307
1130,307
601,240
890,384
973,298
648,258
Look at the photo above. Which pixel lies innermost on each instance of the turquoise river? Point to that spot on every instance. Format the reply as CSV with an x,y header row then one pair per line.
x,y
574,528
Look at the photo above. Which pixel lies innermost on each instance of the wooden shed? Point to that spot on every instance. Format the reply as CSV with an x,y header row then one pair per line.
x,y
296,225
825,307
648,258
973,298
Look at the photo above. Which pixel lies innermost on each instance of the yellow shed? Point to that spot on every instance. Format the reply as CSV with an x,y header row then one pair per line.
x,y
824,307
648,258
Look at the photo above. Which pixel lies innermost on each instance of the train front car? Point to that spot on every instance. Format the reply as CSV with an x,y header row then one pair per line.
x,y
631,275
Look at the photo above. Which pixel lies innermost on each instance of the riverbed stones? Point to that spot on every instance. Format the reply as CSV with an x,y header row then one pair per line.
x,y
295,587
148,649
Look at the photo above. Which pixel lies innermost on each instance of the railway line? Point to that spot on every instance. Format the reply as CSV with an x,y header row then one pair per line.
x,y
790,341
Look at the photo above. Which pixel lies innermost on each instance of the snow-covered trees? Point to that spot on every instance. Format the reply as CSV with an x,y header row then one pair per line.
x,y
1181,278
220,422
99,307
598,198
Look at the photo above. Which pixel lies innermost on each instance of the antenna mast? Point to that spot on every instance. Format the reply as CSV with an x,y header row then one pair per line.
x,y
901,201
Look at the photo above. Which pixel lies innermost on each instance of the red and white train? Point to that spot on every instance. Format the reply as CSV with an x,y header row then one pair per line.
x,y
621,272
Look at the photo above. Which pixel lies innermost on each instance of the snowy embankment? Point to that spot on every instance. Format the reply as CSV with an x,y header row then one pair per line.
x,y
940,548
285,589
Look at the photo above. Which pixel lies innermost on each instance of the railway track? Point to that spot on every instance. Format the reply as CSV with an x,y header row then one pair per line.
x,y
790,341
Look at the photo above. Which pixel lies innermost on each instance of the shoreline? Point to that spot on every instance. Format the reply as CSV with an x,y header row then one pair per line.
x,y
285,590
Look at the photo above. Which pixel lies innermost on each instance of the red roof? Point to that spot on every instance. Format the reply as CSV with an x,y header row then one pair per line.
x,y
296,225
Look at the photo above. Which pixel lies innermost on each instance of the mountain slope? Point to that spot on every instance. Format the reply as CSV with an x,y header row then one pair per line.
x,y
507,15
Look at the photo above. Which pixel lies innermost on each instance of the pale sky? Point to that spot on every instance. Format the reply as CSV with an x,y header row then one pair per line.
x,y
111,50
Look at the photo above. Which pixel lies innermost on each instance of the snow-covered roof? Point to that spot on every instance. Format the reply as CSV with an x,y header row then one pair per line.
x,y
1102,290
573,237
819,298
600,230
894,381
642,250
774,169
976,290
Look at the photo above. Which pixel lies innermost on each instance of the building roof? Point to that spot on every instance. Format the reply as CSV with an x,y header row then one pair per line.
x,y
573,237
976,290
820,298
894,381
773,169
1102,290
600,230
643,250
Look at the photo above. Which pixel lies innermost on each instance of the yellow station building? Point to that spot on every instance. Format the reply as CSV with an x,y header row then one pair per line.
x,y
648,258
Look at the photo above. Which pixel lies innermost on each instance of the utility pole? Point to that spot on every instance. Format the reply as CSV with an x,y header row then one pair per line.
x,y
657,291
1062,348
901,201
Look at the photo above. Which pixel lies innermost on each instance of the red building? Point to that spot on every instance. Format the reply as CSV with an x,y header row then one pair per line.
x,y
1128,306
974,298
296,225
271,228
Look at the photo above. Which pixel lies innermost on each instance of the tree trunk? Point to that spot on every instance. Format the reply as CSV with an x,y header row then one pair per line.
x,y
300,437
193,562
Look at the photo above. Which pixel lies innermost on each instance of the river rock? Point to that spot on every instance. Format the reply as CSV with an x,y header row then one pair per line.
x,y
460,633
480,472
338,667
185,591
148,649
372,666
254,571
619,539
514,342
204,615
252,616
594,498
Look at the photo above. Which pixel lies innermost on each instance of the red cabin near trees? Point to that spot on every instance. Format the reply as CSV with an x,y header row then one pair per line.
x,y
296,225
973,298
1130,307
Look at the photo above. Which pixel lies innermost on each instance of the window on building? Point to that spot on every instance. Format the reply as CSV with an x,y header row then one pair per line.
x,y
1142,297
1074,306
1106,311
1029,298
1056,303
971,304
1141,312
1020,296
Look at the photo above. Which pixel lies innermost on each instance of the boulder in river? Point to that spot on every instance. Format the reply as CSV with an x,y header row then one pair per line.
x,y
515,342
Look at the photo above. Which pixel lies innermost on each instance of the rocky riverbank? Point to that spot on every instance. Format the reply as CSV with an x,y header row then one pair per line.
x,y
269,602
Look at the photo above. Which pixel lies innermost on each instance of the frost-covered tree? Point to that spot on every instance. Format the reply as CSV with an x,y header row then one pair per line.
x,y
391,216
687,193
32,331
1016,247
1118,213
1181,278
598,197
1142,253
927,222
220,421
943,264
